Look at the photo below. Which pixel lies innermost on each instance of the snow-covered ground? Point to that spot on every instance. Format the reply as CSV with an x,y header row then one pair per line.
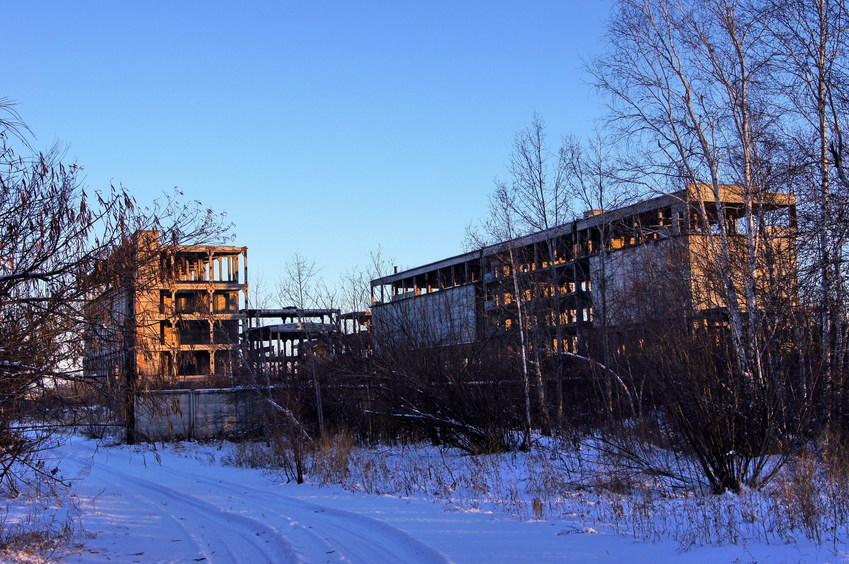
x,y
179,504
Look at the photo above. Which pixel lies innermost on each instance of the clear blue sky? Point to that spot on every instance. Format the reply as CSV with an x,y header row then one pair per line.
x,y
324,127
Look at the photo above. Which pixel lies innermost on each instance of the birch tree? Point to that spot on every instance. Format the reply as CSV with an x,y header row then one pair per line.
x,y
593,181
688,83
810,76
534,198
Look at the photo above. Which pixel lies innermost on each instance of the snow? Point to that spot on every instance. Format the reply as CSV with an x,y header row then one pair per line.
x,y
178,503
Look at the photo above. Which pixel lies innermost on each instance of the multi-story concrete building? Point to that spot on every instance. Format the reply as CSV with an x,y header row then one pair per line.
x,y
170,316
608,267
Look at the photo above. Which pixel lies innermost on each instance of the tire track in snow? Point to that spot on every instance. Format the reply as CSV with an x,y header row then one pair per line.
x,y
351,536
304,531
342,536
216,528
200,546
86,465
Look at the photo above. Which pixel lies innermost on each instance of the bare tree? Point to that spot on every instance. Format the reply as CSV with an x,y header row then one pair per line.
x,y
688,84
810,74
300,284
535,198
57,240
683,77
540,199
593,181
302,287
53,235
500,228
434,377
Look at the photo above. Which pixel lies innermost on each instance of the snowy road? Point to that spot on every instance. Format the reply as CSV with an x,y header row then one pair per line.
x,y
177,505
162,513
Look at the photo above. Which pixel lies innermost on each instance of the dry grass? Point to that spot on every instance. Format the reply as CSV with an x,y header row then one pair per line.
x,y
330,462
251,454
583,485
40,533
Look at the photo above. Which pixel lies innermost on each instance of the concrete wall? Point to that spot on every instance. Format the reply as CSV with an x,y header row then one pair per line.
x,y
644,282
445,317
197,414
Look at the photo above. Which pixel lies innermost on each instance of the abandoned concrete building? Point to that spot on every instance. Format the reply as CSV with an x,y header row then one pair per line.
x,y
177,316
174,321
603,266
171,317
276,350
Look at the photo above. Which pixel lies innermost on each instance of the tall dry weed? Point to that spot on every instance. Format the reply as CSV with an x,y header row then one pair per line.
x,y
331,461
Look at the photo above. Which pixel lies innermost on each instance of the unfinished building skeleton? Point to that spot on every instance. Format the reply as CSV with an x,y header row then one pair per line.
x,y
276,350
171,315
576,276
176,346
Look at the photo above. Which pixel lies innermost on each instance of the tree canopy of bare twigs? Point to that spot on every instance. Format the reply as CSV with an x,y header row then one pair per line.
x,y
55,235
749,93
